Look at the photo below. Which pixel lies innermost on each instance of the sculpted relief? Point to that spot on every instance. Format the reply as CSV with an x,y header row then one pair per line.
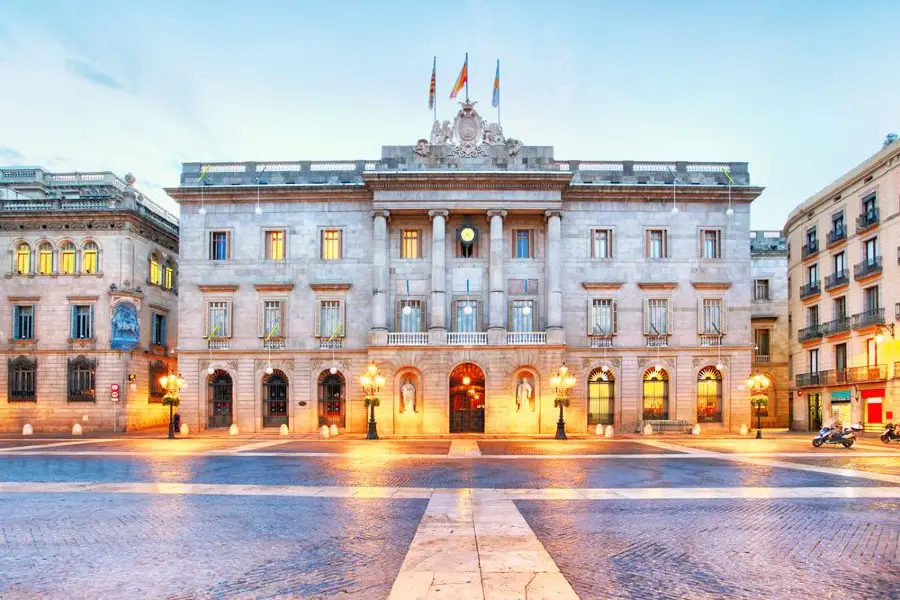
x,y
408,396
525,394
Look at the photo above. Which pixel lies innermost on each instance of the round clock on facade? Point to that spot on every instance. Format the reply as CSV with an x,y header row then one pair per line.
x,y
467,234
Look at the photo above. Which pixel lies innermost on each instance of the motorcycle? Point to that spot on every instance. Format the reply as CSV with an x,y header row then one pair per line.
x,y
827,435
890,434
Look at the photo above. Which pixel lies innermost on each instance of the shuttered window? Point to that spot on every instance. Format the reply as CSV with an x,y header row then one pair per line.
x,y
712,318
330,319
522,316
657,316
411,316
82,322
602,317
218,324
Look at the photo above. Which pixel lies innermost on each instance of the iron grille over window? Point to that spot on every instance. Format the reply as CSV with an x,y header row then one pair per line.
x,y
22,379
81,379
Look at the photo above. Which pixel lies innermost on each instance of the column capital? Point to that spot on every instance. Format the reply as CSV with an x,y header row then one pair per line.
x,y
553,213
438,213
496,212
381,212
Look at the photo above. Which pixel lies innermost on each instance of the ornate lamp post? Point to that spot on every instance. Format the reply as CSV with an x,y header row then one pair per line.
x,y
758,385
561,382
172,384
372,381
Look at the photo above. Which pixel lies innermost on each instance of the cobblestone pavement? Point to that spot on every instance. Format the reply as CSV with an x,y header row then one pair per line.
x,y
124,546
875,464
362,446
569,447
755,549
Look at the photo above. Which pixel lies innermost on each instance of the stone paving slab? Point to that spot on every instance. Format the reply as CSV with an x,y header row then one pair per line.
x,y
142,445
877,464
773,549
570,447
362,447
791,445
118,546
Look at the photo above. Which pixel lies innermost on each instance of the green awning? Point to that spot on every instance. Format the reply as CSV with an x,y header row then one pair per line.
x,y
842,396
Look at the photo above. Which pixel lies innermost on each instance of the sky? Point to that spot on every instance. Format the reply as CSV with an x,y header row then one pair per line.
x,y
802,90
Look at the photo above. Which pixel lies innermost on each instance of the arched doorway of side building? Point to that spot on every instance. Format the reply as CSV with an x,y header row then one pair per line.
x,y
467,399
332,399
275,399
221,402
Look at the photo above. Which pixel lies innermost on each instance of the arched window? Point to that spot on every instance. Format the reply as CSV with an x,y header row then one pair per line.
x,y
90,259
601,397
23,259
656,394
67,258
709,396
275,399
169,275
155,269
45,258
332,408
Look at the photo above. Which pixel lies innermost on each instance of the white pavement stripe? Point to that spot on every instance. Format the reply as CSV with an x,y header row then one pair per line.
x,y
672,447
53,445
464,448
814,468
251,446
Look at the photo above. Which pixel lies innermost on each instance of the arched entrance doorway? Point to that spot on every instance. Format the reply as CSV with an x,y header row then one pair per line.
x,y
467,399
221,405
601,397
709,395
332,407
275,399
656,395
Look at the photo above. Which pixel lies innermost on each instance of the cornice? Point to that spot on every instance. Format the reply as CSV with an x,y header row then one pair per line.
x,y
24,298
657,285
99,221
159,308
655,193
602,285
763,317
468,180
273,287
711,285
330,287
242,194
225,287
82,298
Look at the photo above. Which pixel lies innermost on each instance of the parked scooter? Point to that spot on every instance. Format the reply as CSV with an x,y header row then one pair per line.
x,y
830,435
890,433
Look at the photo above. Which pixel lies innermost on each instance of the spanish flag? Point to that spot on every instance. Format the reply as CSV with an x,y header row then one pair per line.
x,y
431,87
462,80
495,102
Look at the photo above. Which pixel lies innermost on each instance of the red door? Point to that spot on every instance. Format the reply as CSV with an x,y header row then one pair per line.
x,y
873,410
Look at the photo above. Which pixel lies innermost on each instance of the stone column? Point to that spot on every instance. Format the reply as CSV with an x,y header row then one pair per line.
x,y
555,332
437,332
497,283
381,284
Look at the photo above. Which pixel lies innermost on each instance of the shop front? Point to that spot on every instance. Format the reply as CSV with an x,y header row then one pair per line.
x,y
873,406
841,411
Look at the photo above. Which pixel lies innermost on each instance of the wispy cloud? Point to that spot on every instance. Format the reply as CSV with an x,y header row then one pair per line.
x,y
9,155
83,69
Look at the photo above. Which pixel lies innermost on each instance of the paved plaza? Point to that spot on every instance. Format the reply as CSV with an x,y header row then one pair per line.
x,y
467,518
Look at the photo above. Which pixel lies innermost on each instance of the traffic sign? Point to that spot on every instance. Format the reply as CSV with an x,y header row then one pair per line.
x,y
114,387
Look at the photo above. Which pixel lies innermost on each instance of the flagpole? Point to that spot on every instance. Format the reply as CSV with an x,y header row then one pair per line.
x,y
433,76
467,78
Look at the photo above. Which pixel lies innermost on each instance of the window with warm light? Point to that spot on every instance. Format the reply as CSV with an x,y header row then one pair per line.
x,y
89,258
45,259
410,243
169,276
155,270
709,396
332,244
23,259
67,259
275,245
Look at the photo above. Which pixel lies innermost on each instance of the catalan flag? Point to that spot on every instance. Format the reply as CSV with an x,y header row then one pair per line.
x,y
495,102
433,85
728,175
203,173
462,80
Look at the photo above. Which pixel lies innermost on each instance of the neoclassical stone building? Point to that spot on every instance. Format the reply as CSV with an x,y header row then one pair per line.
x,y
467,268
88,300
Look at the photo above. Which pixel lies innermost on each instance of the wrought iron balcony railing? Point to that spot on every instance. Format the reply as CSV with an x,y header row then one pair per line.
x,y
809,333
812,288
837,279
814,379
866,220
836,326
838,234
868,373
601,341
761,359
219,343
811,248
868,318
867,268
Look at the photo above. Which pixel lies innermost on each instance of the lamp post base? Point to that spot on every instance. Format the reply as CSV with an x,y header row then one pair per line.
x,y
372,433
759,434
171,425
561,426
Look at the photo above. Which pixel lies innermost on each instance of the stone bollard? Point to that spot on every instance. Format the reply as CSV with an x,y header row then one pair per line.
x,y
648,429
323,432
333,430
233,430
598,430
76,429
184,429
609,431
283,430
28,429
696,429
744,429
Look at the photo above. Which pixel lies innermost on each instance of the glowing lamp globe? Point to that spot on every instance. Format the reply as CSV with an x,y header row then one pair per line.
x,y
164,380
407,310
258,210
720,367
333,370
210,370
526,310
269,370
467,380
467,310
879,338
202,210
730,211
675,210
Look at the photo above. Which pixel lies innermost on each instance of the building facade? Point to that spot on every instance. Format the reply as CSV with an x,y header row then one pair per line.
x,y
88,301
467,268
769,316
843,278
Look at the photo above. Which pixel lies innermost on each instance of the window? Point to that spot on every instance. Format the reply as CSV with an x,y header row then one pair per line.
x,y
763,339
840,356
712,243
870,251
82,322
169,275
840,263
837,224
23,259
218,245
709,396
81,379
601,243
466,316
67,258
45,259
712,317
657,317
155,269
812,316
411,316
811,237
871,352
275,245
89,258
522,243
657,243
156,370
601,397
272,321
871,299
410,243
330,319
218,325
761,289
521,315
656,395
814,361
602,317
869,205
812,273
23,322
158,329
22,373
332,244
840,307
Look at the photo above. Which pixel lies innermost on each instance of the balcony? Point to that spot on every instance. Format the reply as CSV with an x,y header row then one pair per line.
x,y
865,374
407,338
658,341
867,220
896,369
335,344
219,343
836,236
761,359
808,290
867,268
274,344
868,318
467,338
809,333
837,279
526,338
710,339
897,311
601,341
816,379
836,326
811,248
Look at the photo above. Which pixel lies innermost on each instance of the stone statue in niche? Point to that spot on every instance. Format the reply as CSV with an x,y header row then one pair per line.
x,y
408,396
524,391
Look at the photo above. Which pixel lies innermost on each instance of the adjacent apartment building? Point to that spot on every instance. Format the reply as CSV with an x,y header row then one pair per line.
x,y
467,268
88,302
843,278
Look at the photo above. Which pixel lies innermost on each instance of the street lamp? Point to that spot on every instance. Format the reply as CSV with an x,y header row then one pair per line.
x,y
758,385
172,384
879,337
372,381
562,381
